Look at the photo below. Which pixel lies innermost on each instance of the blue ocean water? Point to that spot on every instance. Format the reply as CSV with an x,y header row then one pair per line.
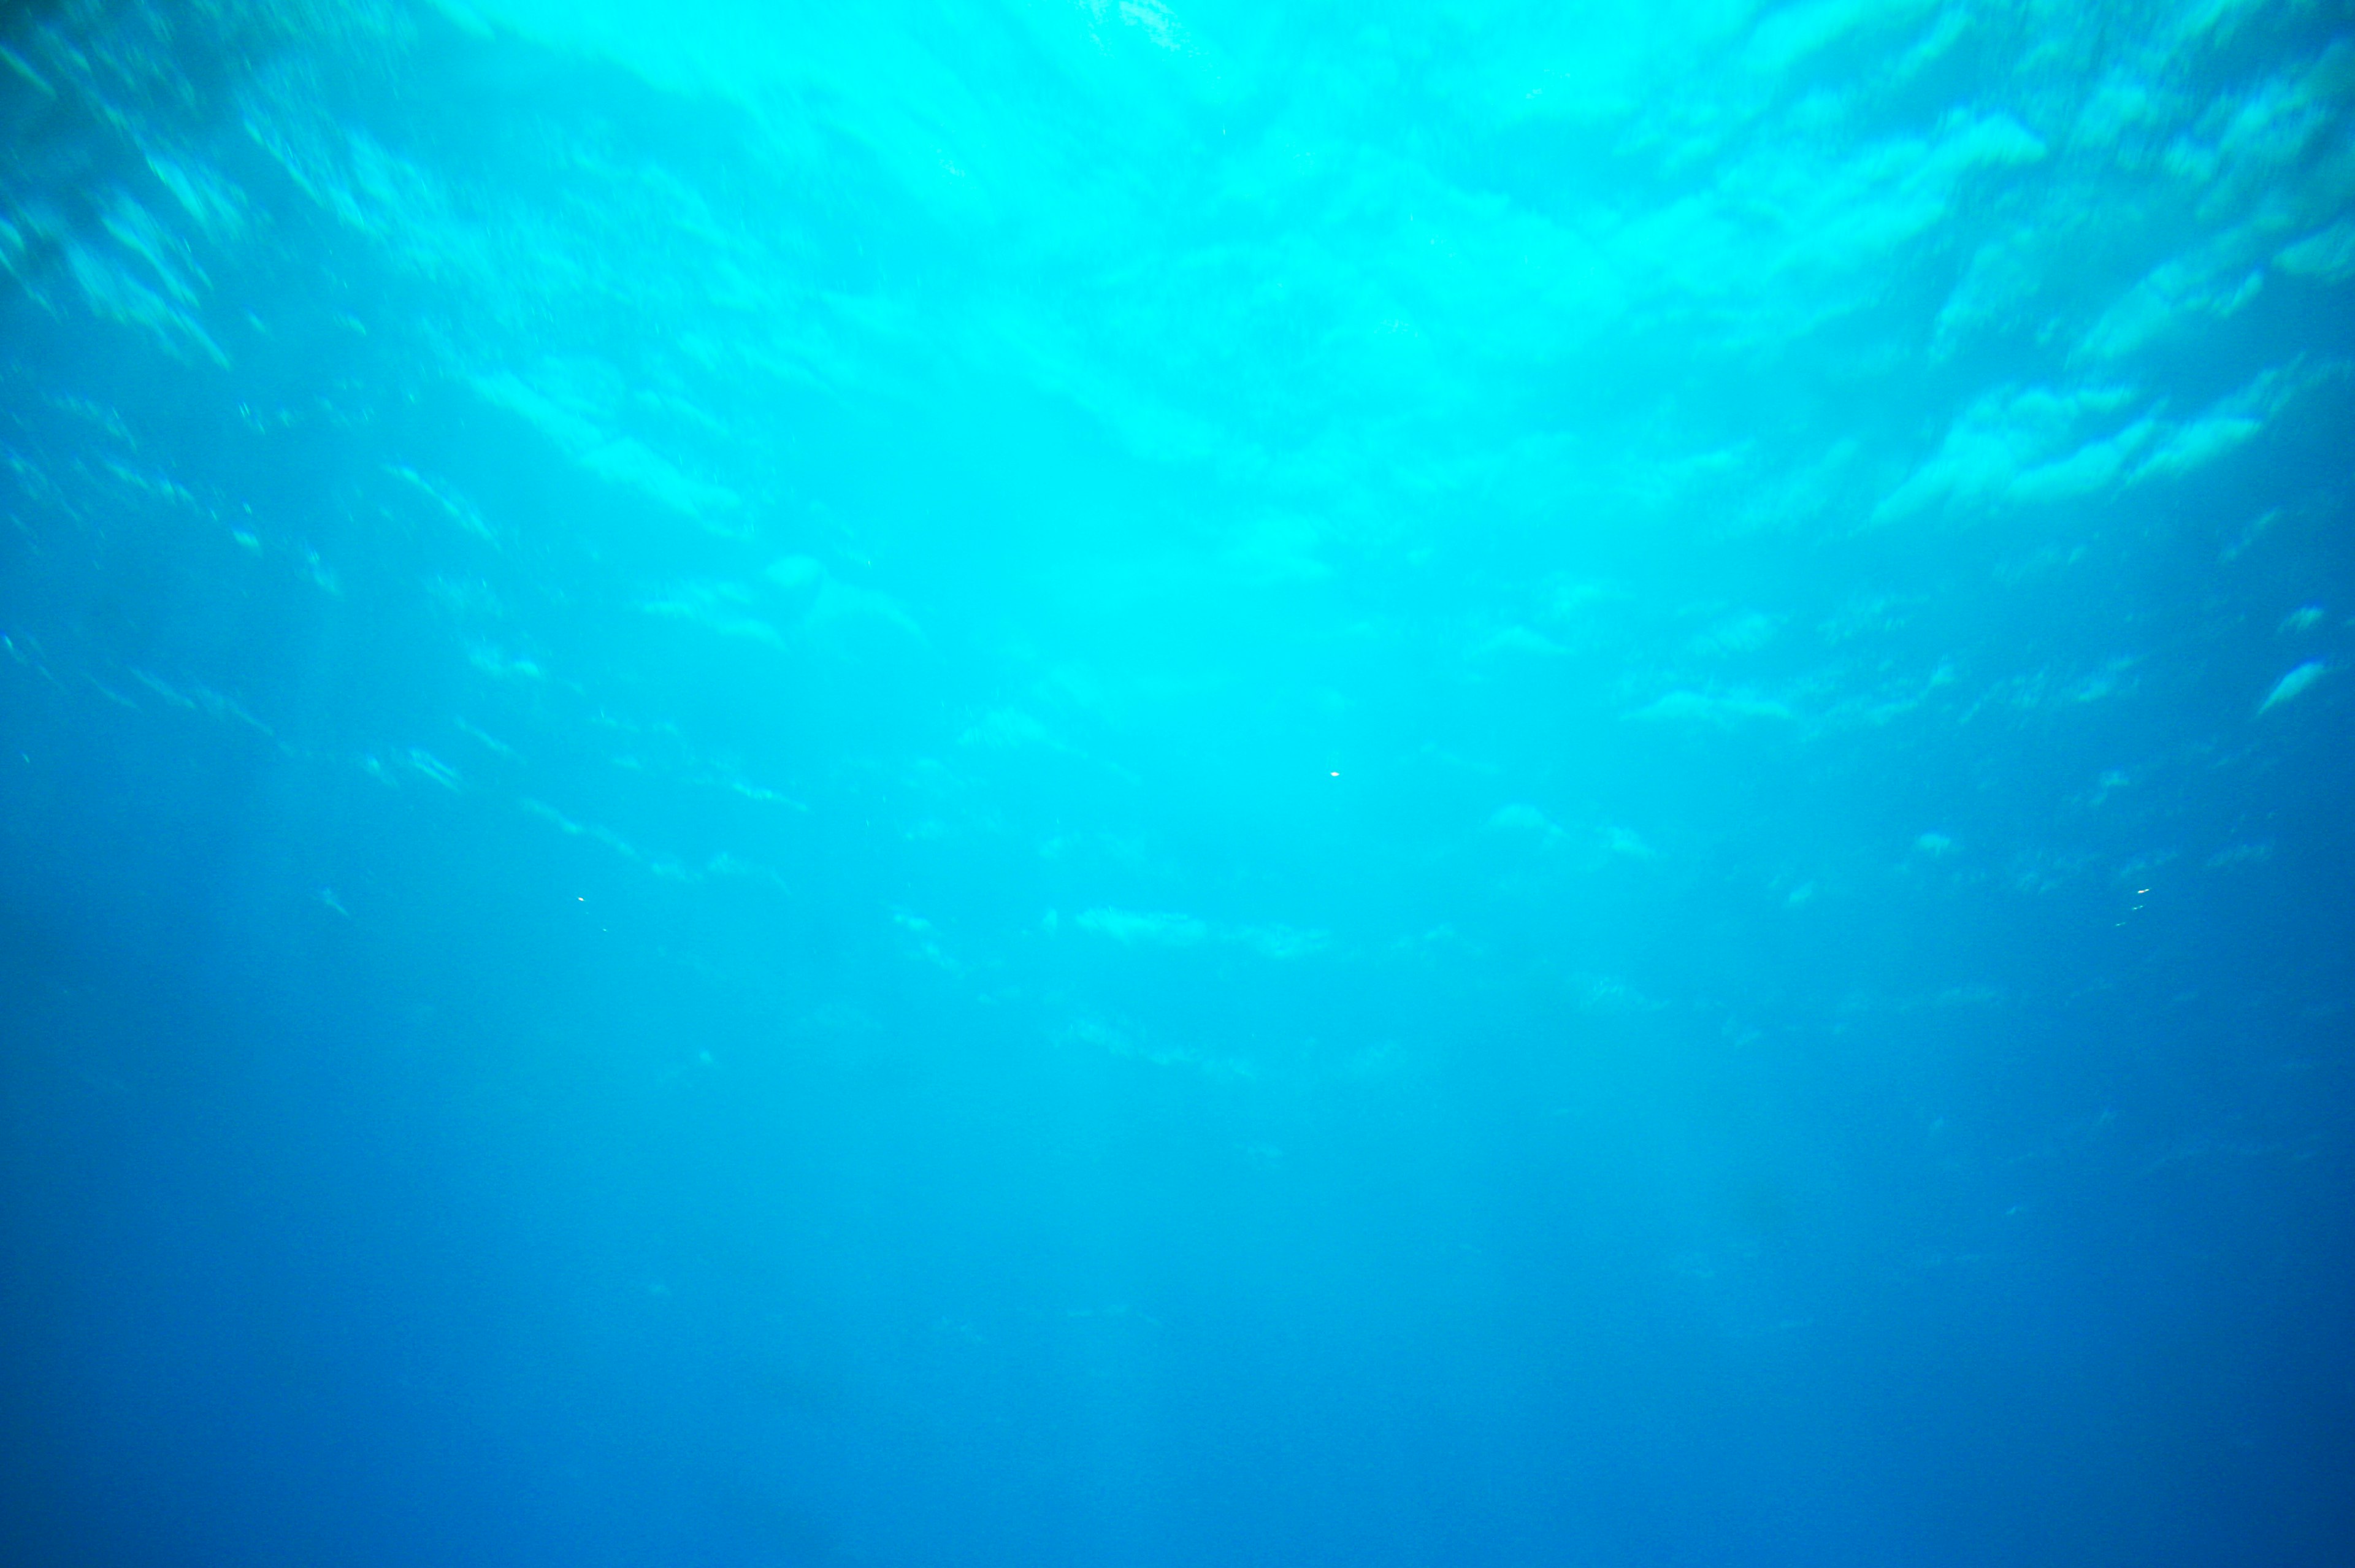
x,y
1105,781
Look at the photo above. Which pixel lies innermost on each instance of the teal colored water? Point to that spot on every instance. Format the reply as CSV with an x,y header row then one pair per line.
x,y
1093,781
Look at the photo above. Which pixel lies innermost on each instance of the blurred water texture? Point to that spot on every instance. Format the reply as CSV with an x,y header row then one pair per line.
x,y
1058,782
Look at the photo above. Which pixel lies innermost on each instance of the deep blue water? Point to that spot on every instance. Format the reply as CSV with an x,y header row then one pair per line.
x,y
1093,781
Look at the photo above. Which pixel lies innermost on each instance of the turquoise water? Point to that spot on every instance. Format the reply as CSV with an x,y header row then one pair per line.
x,y
1092,782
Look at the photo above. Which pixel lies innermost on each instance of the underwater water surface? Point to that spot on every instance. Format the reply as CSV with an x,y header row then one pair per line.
x,y
964,782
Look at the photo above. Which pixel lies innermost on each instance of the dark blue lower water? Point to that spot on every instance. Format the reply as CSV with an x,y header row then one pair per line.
x,y
1058,782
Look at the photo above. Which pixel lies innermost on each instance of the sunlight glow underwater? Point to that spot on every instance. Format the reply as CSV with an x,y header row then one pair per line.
x,y
1083,782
